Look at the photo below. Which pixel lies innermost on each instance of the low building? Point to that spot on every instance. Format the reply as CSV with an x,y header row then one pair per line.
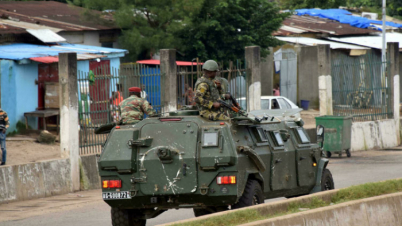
x,y
26,68
77,25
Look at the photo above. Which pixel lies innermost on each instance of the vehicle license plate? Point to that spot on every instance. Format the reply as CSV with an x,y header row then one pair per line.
x,y
116,195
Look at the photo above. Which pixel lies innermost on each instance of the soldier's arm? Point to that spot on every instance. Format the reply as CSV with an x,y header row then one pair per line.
x,y
148,109
199,96
7,123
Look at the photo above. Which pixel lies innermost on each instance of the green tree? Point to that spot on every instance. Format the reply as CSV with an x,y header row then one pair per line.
x,y
222,28
322,4
394,8
147,25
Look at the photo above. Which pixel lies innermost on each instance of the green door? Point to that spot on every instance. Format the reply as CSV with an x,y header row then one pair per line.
x,y
305,159
283,168
169,164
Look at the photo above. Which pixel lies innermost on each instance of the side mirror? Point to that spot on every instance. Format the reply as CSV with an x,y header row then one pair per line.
x,y
320,135
299,122
285,135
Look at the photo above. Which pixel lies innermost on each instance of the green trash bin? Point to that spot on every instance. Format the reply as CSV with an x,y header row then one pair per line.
x,y
337,134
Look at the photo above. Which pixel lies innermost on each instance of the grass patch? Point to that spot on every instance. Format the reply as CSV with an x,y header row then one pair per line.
x,y
240,217
367,190
344,195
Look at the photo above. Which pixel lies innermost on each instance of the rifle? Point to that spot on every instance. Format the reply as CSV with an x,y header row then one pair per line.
x,y
232,107
233,100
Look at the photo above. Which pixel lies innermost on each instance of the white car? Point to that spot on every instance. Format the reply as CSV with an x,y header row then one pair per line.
x,y
273,102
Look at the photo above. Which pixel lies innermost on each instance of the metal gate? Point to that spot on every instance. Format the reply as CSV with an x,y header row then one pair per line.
x,y
286,61
233,80
100,92
361,87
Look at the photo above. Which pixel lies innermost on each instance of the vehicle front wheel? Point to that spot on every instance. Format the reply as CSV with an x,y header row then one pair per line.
x,y
327,182
123,217
252,195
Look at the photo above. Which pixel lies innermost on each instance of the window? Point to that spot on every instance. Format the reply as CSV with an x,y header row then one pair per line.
x,y
278,139
275,104
302,135
259,135
265,104
210,139
284,104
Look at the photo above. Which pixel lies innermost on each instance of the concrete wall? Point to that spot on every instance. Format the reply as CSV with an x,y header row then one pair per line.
x,y
86,38
369,135
89,173
19,93
34,180
307,81
400,74
374,135
267,74
46,178
384,210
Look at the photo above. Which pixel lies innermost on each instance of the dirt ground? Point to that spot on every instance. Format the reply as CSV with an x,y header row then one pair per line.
x,y
24,149
309,118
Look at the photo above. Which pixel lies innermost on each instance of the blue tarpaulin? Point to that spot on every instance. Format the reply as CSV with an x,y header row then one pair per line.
x,y
345,17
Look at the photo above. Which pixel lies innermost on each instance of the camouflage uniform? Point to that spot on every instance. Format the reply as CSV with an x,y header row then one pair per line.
x,y
133,109
205,95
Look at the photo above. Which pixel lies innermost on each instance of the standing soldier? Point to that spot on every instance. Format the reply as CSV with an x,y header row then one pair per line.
x,y
133,108
4,124
208,93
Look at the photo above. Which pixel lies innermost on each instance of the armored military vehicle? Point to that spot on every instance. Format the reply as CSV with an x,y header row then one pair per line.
x,y
182,160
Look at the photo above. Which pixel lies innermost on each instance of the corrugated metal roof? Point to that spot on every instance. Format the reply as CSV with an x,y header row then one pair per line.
x,y
51,14
26,51
26,25
46,35
314,42
54,59
309,24
373,41
158,62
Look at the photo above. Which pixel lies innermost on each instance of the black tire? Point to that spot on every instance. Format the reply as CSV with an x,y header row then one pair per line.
x,y
252,195
201,212
348,153
328,154
122,217
327,182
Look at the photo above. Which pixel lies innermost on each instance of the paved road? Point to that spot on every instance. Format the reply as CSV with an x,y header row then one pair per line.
x,y
87,208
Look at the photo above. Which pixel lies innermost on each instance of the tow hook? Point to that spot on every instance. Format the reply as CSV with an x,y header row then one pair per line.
x,y
204,189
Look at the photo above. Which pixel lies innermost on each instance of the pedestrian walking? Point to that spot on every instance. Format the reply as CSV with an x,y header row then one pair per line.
x,y
4,124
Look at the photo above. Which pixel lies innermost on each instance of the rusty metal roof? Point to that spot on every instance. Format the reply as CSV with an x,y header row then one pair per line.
x,y
49,14
296,25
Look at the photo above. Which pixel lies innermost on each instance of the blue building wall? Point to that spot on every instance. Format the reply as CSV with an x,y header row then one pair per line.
x,y
19,93
114,64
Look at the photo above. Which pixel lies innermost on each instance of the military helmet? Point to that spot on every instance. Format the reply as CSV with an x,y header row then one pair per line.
x,y
210,65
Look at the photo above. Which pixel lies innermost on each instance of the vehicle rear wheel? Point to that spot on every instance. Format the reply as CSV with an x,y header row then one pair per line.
x,y
328,154
327,182
201,212
209,210
252,195
122,217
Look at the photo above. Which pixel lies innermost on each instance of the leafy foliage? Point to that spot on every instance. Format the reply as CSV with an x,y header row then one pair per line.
x,y
222,28
323,4
147,25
